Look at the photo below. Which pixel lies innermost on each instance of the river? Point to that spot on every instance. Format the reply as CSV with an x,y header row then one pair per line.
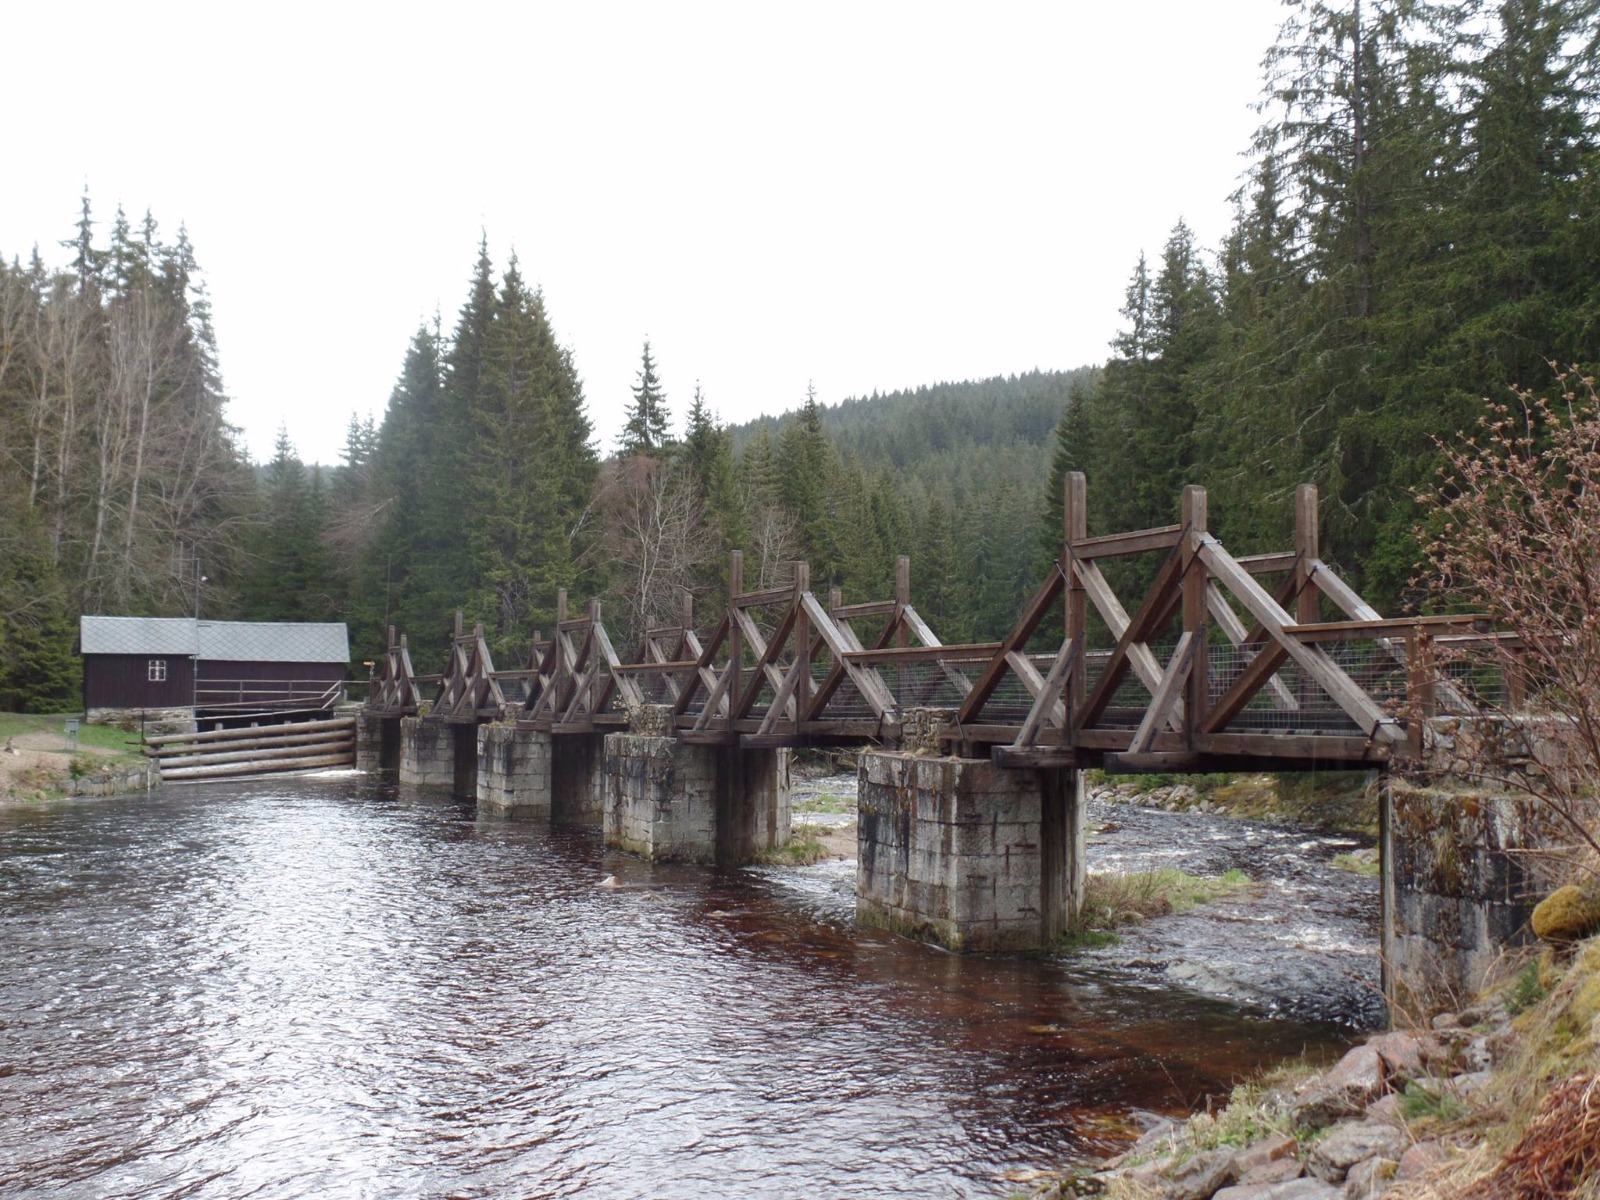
x,y
338,988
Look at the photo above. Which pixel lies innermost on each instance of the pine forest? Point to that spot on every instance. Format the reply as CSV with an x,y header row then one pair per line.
x,y
1417,228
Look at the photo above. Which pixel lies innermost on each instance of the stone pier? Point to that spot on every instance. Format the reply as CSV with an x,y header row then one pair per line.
x,y
961,852
427,752
1457,887
672,802
513,777
369,742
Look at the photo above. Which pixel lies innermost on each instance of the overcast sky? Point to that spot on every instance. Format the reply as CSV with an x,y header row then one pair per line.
x,y
866,196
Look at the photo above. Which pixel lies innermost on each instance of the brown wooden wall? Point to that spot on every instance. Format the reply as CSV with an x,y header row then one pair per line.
x,y
120,681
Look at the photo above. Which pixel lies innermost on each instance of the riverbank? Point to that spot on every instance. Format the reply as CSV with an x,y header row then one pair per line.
x,y
1500,1099
37,764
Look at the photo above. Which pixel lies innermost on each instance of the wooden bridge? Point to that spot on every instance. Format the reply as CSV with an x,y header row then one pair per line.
x,y
1223,663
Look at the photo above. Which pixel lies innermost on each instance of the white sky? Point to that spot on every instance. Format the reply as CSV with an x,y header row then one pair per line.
x,y
865,195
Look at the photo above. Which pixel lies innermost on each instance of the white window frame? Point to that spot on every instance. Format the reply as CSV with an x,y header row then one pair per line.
x,y
155,671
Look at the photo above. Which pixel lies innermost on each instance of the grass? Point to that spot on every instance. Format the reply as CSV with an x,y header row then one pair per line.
x,y
824,802
1114,900
1355,865
95,737
803,848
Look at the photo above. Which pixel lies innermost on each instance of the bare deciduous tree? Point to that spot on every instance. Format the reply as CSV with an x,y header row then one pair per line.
x,y
1516,528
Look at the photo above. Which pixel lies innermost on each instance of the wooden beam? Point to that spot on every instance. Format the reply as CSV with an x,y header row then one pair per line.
x,y
1015,640
1131,651
1140,541
1166,695
1048,698
1197,694
1233,628
1075,610
1344,690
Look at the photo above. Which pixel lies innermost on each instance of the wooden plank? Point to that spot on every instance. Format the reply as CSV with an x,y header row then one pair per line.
x,y
1166,695
1197,687
1024,670
333,744
873,608
1344,690
345,759
659,667
1034,757
219,735
1140,541
1268,564
976,652
1372,630
1328,747
780,595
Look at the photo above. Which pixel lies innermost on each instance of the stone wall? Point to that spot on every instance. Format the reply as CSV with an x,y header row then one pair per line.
x,y
369,742
1457,889
117,782
753,814
962,852
661,798
427,752
153,721
513,771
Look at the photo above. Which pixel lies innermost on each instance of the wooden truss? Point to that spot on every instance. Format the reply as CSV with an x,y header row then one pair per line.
x,y
1224,662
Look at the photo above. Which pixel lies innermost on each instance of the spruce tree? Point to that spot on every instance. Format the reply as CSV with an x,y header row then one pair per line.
x,y
644,431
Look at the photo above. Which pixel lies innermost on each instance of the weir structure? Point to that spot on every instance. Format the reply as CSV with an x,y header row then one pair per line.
x,y
971,810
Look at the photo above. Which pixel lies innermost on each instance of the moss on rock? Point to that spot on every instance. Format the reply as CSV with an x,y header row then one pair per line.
x,y
1566,915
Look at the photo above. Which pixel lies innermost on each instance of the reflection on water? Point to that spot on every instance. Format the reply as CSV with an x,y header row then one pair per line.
x,y
333,988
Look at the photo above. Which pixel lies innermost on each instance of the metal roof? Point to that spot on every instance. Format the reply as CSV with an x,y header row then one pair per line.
x,y
274,641
218,641
174,636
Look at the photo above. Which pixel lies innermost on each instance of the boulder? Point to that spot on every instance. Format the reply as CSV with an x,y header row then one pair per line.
x,y
1369,1178
1355,1081
1566,915
1404,1054
1294,1189
1201,1176
1348,1144
1271,1149
1280,1170
1421,1158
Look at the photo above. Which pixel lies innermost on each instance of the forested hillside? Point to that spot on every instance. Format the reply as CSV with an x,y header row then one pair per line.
x,y
1420,228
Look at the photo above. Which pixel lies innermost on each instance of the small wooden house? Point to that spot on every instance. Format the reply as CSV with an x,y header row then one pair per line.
x,y
210,666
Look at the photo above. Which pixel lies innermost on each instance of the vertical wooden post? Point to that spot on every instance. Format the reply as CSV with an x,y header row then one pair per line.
x,y
735,634
391,637
1419,684
1307,548
458,624
802,641
1195,617
835,599
1308,607
1074,528
688,609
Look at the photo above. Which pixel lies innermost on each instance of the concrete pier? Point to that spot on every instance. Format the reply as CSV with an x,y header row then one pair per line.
x,y
369,742
961,852
513,776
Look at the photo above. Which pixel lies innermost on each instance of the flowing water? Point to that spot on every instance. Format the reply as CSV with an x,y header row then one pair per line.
x,y
331,987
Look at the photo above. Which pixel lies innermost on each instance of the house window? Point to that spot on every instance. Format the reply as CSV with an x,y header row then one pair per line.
x,y
156,671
